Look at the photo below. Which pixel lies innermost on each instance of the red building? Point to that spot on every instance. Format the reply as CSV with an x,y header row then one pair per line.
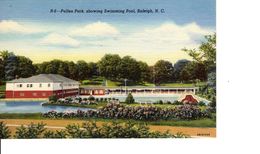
x,y
42,86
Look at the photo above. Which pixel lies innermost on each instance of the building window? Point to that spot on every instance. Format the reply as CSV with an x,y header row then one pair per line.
x,y
21,94
28,85
19,85
31,85
49,85
40,85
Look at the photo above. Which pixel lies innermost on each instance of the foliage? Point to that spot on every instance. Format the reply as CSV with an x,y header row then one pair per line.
x,y
206,53
90,129
11,67
109,66
163,71
25,67
4,131
53,98
201,103
30,132
178,67
130,99
119,111
91,98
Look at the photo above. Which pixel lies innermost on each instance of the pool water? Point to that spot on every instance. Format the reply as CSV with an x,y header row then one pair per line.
x,y
33,107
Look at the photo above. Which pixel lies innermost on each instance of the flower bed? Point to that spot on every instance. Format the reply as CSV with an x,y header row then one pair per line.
x,y
119,111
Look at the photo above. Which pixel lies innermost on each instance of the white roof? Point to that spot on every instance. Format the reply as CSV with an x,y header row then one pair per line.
x,y
43,78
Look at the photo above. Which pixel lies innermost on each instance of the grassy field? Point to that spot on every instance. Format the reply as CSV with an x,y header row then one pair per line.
x,y
187,123
101,81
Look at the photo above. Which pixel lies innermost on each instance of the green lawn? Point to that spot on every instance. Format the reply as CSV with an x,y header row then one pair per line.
x,y
186,123
101,81
183,84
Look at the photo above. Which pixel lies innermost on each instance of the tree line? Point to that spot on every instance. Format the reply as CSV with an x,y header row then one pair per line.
x,y
114,67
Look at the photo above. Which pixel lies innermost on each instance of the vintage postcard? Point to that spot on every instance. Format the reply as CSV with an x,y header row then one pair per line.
x,y
107,69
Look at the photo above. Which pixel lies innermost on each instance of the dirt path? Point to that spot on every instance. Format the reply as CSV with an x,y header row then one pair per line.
x,y
61,124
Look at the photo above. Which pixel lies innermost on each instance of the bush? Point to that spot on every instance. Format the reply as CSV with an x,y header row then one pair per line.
x,y
2,95
201,103
130,99
119,111
4,131
92,130
53,98
91,98
32,131
177,103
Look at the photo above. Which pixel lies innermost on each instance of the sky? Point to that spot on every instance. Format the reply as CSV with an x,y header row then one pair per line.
x,y
29,28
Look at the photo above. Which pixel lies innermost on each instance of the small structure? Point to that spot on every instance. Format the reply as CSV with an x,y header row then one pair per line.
x,y
189,99
42,86
102,90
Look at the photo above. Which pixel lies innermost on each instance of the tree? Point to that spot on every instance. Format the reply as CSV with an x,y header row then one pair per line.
x,y
129,69
163,71
4,131
2,70
83,70
206,53
146,72
109,66
178,67
63,69
11,67
73,70
25,67
93,69
130,99
5,54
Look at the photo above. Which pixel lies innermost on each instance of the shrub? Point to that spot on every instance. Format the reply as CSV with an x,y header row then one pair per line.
x,y
129,99
90,129
160,102
2,95
55,134
119,111
91,98
201,103
177,103
4,131
32,131
53,98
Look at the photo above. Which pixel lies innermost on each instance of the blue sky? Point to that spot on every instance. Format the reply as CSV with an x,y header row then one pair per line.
x,y
27,28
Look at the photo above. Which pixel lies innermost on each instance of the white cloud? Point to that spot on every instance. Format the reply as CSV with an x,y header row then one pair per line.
x,y
10,26
95,29
55,39
165,37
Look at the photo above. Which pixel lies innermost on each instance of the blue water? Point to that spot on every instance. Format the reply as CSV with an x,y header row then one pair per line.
x,y
33,107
